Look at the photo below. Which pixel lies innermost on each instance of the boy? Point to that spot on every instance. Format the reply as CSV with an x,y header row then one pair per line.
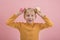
x,y
29,30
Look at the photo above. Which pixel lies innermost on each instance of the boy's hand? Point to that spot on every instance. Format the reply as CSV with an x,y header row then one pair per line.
x,y
20,11
38,11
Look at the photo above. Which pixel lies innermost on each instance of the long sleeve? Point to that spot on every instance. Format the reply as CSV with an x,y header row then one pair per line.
x,y
48,23
11,22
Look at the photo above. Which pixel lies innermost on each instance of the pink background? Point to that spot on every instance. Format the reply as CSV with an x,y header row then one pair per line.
x,y
49,7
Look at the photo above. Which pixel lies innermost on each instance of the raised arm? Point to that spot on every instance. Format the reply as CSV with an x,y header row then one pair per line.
x,y
11,20
48,22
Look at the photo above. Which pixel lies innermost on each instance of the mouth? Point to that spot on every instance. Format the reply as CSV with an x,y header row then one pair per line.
x,y
29,20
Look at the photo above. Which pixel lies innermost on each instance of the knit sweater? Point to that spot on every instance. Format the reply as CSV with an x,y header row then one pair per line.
x,y
29,31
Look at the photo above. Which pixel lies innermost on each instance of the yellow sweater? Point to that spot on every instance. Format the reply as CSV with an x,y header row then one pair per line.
x,y
27,31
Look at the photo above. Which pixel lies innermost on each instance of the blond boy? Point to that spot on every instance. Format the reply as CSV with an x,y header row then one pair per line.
x,y
29,30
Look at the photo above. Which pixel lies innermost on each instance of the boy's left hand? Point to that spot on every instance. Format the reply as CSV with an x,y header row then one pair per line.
x,y
38,11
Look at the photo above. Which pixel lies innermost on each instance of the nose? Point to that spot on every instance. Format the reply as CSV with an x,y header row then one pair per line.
x,y
30,16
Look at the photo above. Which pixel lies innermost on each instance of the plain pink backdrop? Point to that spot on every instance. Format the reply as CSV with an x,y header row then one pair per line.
x,y
49,7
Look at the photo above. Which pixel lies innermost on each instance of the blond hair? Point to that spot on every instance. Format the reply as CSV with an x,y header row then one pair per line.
x,y
28,10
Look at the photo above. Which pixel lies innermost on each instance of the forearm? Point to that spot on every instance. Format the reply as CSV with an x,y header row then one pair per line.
x,y
12,18
10,21
47,20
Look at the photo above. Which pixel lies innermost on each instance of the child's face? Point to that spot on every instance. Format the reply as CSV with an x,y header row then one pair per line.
x,y
30,16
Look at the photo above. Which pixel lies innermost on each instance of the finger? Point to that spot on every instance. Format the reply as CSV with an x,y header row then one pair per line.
x,y
38,8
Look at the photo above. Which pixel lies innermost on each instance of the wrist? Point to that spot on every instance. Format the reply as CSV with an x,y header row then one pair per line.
x,y
17,13
41,14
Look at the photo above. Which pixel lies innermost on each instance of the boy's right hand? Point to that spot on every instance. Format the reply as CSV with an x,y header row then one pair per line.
x,y
21,11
